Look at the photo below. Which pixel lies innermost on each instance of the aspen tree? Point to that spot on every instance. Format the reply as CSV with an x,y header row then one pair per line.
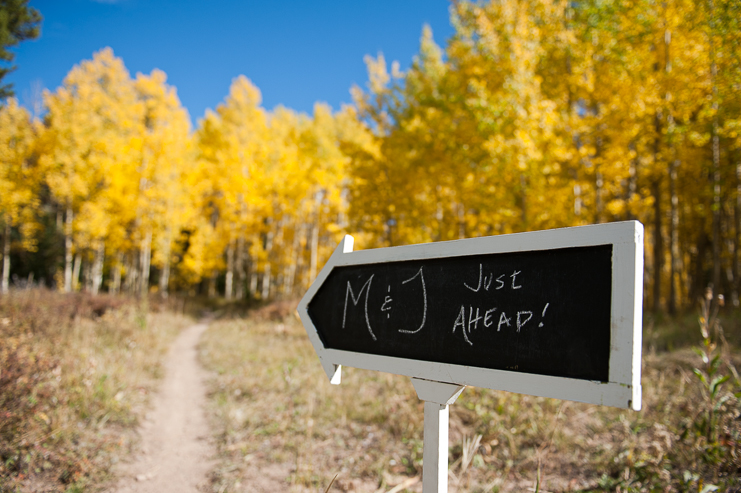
x,y
18,182
91,124
167,157
231,156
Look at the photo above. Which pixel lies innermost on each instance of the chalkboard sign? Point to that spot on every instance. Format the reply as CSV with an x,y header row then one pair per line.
x,y
554,313
544,312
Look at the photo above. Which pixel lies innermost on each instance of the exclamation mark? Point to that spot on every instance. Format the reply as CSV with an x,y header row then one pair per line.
x,y
544,309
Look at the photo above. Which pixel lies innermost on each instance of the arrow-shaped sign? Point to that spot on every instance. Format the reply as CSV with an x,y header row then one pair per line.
x,y
550,313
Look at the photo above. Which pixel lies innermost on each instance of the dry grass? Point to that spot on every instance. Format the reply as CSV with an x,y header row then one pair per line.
x,y
74,369
282,427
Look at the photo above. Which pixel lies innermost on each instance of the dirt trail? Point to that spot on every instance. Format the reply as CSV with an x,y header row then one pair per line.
x,y
176,453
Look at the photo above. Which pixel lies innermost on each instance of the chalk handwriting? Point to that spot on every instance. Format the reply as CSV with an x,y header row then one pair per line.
x,y
386,301
349,292
469,322
486,280
501,283
479,284
514,274
487,317
477,317
543,315
461,320
520,321
473,320
424,299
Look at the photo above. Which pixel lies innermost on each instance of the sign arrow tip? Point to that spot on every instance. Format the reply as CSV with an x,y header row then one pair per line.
x,y
333,371
346,244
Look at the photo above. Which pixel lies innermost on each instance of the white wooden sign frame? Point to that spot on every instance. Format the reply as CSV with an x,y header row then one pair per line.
x,y
623,388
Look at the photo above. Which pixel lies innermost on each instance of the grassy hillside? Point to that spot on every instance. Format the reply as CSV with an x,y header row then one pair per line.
x,y
282,427
74,371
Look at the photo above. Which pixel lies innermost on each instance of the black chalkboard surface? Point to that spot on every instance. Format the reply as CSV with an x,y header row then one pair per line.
x,y
543,312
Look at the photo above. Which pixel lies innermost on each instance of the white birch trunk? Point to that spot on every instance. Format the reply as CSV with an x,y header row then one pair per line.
x,y
76,271
278,240
253,281
68,251
297,257
314,252
98,268
674,238
145,262
266,277
229,271
6,259
116,283
132,274
87,276
715,146
164,283
239,291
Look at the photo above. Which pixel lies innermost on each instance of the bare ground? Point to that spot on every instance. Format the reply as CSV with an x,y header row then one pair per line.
x,y
176,453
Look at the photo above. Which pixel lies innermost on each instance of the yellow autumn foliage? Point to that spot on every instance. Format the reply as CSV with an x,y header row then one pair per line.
x,y
535,114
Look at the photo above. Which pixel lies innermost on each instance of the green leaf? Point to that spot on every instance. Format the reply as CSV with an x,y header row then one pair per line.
x,y
721,401
700,375
717,382
715,363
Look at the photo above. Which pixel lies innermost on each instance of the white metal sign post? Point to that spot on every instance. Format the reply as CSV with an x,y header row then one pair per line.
x,y
437,396
554,313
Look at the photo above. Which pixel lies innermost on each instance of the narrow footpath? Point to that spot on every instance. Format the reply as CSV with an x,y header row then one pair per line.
x,y
176,453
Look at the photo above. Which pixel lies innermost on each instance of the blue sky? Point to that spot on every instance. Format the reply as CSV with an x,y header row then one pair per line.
x,y
296,52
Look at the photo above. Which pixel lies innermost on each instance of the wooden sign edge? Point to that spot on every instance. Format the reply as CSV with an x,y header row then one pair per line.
x,y
623,389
